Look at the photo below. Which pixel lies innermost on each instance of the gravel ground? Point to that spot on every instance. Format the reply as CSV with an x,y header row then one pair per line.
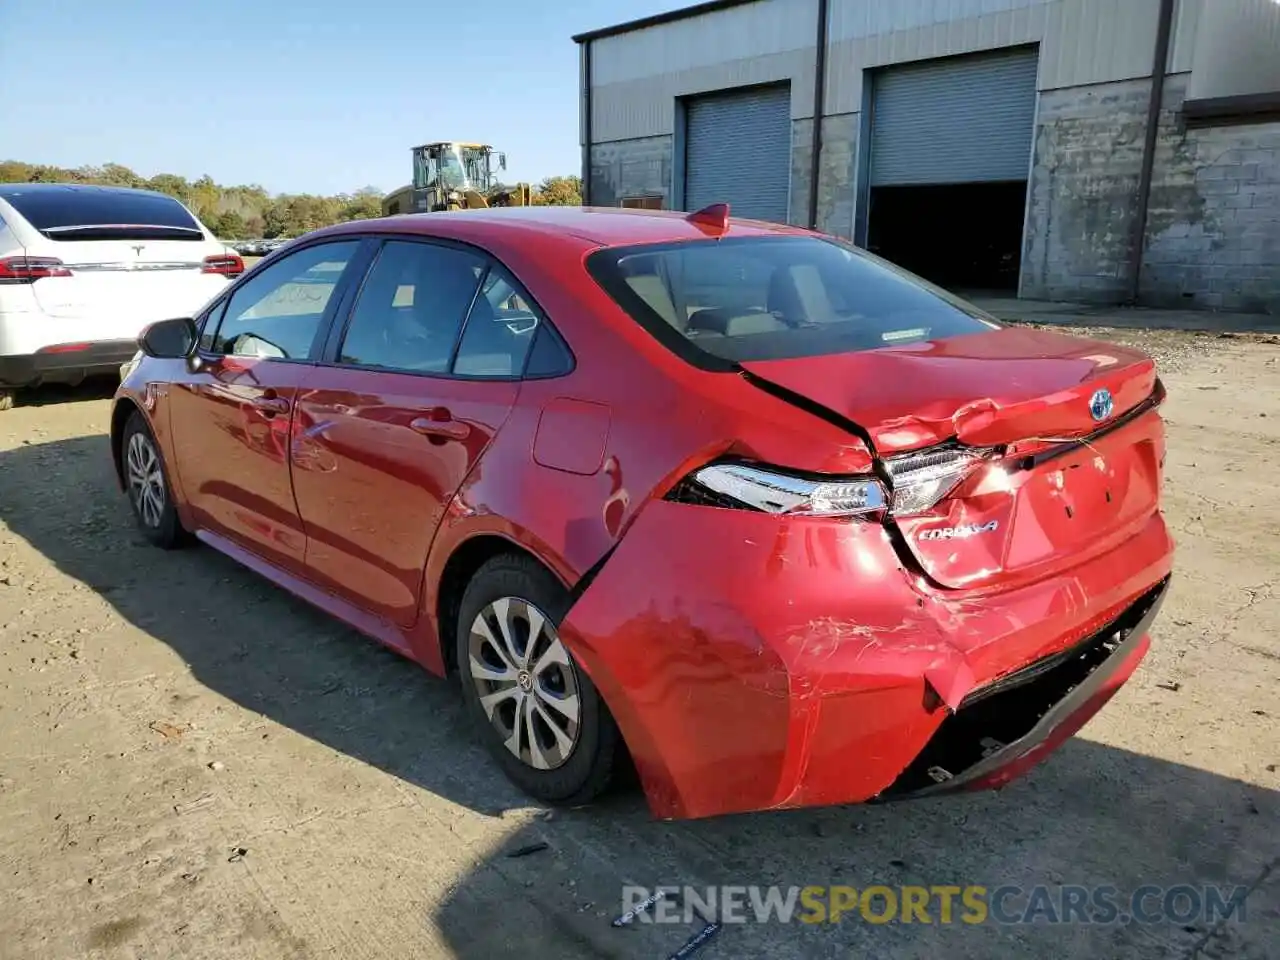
x,y
194,764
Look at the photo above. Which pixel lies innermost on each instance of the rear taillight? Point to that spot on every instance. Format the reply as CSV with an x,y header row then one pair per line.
x,y
223,264
921,479
31,269
769,490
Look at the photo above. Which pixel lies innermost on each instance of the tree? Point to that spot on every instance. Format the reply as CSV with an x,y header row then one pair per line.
x,y
559,192
15,171
247,210
292,215
117,175
203,198
229,226
174,186
363,206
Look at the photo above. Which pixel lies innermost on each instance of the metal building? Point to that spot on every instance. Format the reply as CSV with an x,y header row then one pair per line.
x,y
986,144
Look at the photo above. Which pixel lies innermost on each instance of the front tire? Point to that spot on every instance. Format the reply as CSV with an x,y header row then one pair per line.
x,y
147,484
540,715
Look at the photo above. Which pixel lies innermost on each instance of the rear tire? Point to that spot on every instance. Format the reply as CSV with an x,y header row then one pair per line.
x,y
539,714
7,398
147,485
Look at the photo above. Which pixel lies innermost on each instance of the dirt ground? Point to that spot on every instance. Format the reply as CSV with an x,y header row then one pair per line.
x,y
193,764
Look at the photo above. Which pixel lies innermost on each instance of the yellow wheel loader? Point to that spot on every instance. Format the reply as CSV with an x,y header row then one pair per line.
x,y
450,175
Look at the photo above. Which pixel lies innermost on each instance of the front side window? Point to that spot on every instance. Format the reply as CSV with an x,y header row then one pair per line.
x,y
277,313
412,307
718,302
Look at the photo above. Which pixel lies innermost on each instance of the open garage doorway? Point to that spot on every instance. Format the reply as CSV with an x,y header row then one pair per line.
x,y
965,236
950,151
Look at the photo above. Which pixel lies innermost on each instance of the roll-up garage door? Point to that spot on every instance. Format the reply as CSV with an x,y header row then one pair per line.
x,y
958,120
738,151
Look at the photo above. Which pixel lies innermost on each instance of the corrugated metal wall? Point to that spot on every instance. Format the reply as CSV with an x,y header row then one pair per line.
x,y
958,120
1237,51
853,50
738,150
638,75
754,30
1186,24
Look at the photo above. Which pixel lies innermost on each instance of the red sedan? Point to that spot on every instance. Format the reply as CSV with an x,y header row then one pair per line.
x,y
737,503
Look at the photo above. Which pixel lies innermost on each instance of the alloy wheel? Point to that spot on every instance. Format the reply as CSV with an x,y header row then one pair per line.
x,y
526,682
146,480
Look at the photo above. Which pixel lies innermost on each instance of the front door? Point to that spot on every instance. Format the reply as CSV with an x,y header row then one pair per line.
x,y
231,413
387,431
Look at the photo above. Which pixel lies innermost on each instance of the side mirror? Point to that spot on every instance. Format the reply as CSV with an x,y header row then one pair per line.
x,y
169,339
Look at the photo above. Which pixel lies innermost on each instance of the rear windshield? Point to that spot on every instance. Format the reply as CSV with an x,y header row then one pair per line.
x,y
105,214
718,302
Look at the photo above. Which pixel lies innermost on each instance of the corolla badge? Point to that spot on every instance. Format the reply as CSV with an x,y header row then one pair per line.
x,y
1101,404
960,532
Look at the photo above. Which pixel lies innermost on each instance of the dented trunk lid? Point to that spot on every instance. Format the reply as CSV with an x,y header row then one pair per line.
x,y
1066,484
982,389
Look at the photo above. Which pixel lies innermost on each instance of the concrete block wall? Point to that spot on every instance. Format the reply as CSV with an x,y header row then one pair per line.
x,y
838,173
1213,227
1083,190
801,172
631,168
1213,232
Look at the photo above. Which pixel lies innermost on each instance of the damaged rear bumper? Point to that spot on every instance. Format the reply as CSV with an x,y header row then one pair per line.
x,y
1036,709
753,662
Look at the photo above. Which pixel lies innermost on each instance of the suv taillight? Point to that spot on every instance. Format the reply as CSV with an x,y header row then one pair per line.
x,y
224,264
30,269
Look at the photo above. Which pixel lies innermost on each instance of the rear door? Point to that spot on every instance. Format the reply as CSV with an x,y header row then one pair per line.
x,y
415,388
232,415
133,257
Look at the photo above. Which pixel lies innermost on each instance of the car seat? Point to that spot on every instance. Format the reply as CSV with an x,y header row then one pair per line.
x,y
648,284
798,295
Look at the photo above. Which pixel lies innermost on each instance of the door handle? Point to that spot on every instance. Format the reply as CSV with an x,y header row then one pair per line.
x,y
440,426
270,406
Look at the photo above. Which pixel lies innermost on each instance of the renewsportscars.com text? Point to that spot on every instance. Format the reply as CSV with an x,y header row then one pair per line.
x,y
939,904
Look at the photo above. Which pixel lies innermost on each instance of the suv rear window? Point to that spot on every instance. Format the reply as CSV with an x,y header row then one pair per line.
x,y
718,302
104,214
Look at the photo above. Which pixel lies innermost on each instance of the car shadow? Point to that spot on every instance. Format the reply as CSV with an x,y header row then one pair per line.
x,y
1092,815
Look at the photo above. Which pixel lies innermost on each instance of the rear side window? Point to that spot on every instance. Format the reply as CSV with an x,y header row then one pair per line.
x,y
411,308
500,330
718,302
89,214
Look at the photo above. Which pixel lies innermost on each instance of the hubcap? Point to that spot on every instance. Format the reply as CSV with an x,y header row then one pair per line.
x,y
527,684
146,479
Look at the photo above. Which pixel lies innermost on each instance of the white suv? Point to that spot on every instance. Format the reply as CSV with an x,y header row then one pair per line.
x,y
84,269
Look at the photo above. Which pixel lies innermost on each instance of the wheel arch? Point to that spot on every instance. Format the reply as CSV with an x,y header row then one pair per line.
x,y
120,413
465,560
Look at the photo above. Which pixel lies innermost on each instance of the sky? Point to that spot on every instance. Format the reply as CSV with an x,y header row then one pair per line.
x,y
299,96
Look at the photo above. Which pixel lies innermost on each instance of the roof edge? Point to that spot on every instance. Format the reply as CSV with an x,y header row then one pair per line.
x,y
657,19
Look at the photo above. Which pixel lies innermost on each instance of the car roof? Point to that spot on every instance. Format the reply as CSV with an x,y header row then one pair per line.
x,y
15,189
593,226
